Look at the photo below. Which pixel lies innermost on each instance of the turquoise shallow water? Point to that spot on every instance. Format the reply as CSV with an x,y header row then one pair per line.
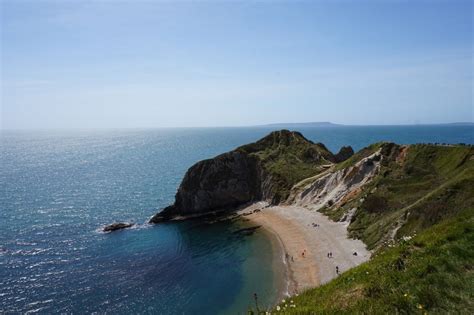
x,y
58,187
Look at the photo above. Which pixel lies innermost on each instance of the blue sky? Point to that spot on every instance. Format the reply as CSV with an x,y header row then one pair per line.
x,y
110,64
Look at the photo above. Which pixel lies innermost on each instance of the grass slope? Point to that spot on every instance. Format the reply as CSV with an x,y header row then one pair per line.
x,y
431,273
413,191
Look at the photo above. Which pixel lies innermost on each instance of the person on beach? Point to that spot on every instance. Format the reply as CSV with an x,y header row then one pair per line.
x,y
337,270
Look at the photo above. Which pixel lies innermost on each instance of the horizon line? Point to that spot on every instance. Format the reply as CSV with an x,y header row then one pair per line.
x,y
315,124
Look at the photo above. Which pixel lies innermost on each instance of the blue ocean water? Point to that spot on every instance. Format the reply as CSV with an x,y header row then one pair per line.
x,y
58,187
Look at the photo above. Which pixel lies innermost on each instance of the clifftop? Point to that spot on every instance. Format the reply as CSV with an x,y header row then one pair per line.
x,y
282,137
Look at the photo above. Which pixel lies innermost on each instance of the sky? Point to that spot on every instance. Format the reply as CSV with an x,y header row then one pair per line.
x,y
146,64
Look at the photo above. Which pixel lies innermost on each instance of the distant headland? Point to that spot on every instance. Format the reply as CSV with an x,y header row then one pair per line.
x,y
331,124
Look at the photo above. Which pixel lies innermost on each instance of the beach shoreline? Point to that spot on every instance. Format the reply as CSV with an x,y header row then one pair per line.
x,y
305,237
281,265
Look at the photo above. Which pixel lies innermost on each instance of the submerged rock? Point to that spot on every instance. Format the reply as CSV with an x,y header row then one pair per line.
x,y
247,231
117,226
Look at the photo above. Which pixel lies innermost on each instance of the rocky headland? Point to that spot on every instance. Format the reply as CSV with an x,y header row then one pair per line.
x,y
379,191
264,170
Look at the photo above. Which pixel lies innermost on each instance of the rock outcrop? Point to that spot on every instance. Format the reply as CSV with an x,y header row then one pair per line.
x,y
117,226
344,154
264,170
333,187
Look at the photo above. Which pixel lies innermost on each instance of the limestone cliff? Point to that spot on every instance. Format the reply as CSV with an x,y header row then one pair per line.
x,y
226,181
331,188
264,170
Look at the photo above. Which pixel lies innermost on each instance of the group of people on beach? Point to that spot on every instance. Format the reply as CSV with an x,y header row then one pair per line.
x,y
303,253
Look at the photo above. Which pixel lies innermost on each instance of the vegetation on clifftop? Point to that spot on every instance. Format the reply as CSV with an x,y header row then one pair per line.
x,y
288,157
422,186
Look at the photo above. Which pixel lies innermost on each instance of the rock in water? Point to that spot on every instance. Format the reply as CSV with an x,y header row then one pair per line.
x,y
117,226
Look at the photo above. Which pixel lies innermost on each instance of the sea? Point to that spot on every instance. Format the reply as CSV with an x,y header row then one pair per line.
x,y
59,187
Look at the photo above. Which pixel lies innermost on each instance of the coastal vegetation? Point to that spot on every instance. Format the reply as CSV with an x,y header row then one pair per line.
x,y
288,157
416,187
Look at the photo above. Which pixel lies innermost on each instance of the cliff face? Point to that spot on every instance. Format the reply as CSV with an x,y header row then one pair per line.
x,y
226,181
331,188
264,170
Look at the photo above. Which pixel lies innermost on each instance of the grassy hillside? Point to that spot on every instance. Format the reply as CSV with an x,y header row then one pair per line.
x,y
431,273
417,186
288,157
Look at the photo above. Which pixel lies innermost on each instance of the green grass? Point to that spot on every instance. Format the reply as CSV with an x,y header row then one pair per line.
x,y
430,274
432,184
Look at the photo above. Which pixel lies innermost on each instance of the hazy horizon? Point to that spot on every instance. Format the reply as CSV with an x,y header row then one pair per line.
x,y
103,65
275,124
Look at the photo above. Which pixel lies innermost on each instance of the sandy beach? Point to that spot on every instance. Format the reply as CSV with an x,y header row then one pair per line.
x,y
305,247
